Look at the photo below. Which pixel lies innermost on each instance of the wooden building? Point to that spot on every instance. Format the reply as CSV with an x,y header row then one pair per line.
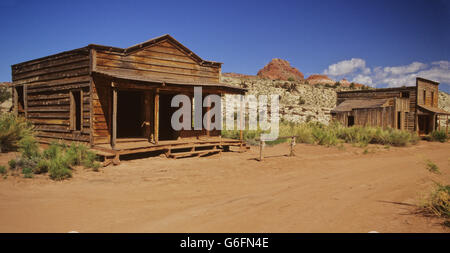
x,y
117,100
413,108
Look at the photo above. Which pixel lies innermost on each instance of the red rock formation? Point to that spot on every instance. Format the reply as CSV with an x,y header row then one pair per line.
x,y
320,79
279,69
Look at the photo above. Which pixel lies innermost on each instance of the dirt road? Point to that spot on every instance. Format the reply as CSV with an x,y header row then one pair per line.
x,y
320,190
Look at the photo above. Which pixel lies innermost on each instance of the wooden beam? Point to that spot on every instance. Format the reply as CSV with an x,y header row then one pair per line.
x,y
114,116
156,117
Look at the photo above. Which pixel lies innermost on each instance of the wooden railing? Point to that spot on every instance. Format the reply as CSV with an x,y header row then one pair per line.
x,y
262,144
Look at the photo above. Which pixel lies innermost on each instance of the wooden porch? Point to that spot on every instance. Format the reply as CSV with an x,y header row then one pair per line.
x,y
185,147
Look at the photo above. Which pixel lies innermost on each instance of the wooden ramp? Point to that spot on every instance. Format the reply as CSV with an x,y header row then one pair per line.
x,y
172,149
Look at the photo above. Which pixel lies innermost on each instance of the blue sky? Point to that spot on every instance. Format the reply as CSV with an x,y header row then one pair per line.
x,y
381,43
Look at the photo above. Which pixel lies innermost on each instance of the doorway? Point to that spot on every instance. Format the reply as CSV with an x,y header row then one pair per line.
x,y
350,121
166,132
130,116
424,124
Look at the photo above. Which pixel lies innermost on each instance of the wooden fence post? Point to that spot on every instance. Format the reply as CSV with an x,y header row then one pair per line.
x,y
292,146
261,148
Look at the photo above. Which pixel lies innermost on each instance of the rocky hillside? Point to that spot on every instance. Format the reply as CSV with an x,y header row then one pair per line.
x,y
278,69
302,102
6,105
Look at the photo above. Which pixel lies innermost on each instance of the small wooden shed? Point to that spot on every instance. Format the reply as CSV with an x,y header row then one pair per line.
x,y
117,100
413,108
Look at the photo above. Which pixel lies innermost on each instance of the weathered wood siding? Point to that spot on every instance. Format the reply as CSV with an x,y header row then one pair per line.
x,y
431,92
162,61
47,83
101,111
405,103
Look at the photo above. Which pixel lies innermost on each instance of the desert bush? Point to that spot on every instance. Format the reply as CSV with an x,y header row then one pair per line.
x,y
3,170
439,135
432,167
12,130
58,168
12,164
438,202
333,134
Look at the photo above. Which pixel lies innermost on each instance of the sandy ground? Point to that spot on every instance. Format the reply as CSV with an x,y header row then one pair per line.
x,y
320,190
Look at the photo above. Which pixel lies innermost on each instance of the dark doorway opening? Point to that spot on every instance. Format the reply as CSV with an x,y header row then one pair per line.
x,y
424,124
20,101
130,114
350,121
399,120
166,131
76,110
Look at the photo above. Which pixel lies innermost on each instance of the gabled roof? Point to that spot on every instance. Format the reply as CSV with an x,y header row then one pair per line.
x,y
351,104
133,49
165,37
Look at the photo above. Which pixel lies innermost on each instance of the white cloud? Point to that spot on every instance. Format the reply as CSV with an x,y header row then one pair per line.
x,y
367,80
346,67
406,69
391,76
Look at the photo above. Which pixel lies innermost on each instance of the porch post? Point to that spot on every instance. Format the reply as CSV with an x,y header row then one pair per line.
x,y
433,125
156,116
114,115
446,125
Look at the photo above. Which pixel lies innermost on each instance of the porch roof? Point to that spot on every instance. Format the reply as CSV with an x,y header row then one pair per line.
x,y
434,110
145,79
351,104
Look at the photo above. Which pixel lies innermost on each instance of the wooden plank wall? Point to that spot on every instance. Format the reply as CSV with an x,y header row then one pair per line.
x,y
48,82
430,88
101,111
162,61
409,118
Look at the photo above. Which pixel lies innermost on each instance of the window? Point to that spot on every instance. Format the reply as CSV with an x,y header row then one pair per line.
x,y
405,94
424,96
432,98
76,110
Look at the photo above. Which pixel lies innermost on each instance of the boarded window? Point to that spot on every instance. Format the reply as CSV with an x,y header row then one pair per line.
x,y
76,110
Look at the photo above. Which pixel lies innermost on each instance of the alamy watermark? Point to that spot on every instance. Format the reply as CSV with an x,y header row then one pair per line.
x,y
235,107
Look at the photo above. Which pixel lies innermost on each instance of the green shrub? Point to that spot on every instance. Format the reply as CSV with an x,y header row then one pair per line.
x,y
27,172
12,164
291,79
29,147
4,94
439,135
12,130
59,168
432,167
3,170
